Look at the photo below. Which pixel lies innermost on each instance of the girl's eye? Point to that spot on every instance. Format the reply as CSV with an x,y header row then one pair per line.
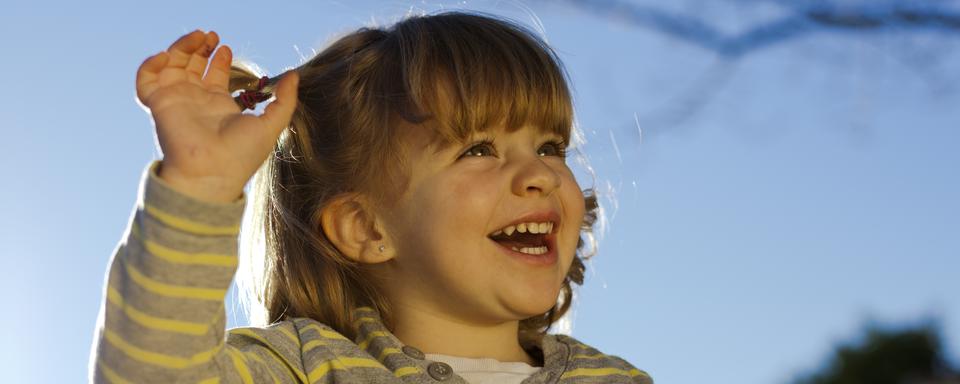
x,y
553,148
484,148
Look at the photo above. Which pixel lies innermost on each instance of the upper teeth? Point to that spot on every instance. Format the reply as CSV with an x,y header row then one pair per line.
x,y
545,227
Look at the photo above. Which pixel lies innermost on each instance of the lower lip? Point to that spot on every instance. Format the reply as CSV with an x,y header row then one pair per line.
x,y
548,258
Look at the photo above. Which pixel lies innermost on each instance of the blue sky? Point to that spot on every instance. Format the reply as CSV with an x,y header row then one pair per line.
x,y
759,209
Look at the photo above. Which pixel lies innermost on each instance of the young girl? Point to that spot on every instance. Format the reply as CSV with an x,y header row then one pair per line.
x,y
419,221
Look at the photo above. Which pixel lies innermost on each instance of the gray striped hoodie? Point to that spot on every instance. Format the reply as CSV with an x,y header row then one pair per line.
x,y
164,321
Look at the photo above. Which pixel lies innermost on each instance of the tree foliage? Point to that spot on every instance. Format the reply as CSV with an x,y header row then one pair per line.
x,y
913,355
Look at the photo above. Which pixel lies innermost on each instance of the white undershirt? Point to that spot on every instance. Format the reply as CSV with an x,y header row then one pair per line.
x,y
486,371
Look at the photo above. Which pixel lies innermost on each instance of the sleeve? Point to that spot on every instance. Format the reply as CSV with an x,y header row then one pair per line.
x,y
163,317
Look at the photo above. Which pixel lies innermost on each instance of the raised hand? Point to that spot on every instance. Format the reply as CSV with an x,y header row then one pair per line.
x,y
210,149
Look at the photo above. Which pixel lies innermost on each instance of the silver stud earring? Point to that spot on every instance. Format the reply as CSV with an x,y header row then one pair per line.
x,y
382,247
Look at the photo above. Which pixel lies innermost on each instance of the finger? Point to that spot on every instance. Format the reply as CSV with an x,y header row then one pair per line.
x,y
147,75
181,50
277,115
218,75
197,63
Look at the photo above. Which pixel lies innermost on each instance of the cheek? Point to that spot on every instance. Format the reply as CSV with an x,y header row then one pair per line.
x,y
473,195
575,207
573,198
577,199
461,206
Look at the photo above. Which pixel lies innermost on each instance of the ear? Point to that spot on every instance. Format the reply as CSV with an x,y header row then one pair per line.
x,y
352,227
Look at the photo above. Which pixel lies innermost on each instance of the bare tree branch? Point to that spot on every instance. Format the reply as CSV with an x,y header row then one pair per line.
x,y
813,17
800,19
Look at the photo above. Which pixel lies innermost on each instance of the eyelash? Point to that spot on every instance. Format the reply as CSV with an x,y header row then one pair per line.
x,y
559,145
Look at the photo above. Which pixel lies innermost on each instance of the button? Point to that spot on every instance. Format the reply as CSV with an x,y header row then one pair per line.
x,y
412,352
439,371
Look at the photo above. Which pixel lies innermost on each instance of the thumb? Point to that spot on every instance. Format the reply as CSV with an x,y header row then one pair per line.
x,y
278,113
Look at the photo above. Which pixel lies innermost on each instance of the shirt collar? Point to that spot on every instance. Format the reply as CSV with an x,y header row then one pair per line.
x,y
404,360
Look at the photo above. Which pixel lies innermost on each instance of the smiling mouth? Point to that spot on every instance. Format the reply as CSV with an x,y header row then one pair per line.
x,y
527,243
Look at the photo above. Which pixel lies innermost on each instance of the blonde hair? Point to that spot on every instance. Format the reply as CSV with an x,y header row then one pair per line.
x,y
453,73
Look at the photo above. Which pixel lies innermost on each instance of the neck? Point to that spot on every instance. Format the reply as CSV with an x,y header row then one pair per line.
x,y
437,333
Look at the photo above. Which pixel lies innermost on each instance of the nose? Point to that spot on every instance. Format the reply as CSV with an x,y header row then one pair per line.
x,y
534,177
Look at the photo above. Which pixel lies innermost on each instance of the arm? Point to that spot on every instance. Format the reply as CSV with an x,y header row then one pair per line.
x,y
163,319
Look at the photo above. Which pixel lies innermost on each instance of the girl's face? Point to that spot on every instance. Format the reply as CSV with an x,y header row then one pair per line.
x,y
446,260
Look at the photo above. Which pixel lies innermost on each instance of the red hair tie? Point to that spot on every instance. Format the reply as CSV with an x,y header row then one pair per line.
x,y
249,99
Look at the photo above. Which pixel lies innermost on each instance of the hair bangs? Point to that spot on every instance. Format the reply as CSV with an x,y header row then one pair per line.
x,y
481,77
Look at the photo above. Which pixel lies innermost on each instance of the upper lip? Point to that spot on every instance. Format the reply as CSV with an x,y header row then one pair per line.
x,y
534,217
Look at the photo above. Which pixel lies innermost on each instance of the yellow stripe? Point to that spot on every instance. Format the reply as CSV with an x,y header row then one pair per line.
x,y
153,322
341,363
370,336
293,338
241,365
273,354
283,363
178,291
156,358
310,345
212,380
111,375
266,367
593,372
357,322
387,352
322,370
331,334
249,333
360,362
325,332
178,257
187,225
597,356
406,371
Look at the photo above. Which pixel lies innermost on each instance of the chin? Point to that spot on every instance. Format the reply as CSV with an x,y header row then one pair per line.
x,y
534,303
